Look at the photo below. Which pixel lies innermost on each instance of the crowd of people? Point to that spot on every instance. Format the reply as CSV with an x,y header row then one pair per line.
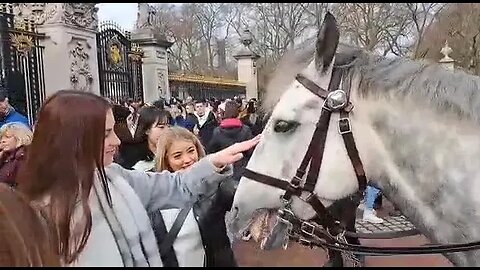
x,y
154,195
173,136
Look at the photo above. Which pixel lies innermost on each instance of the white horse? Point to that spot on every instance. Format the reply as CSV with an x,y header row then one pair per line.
x,y
416,127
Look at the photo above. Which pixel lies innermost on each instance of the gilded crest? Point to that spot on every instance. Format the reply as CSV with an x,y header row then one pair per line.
x,y
22,43
115,55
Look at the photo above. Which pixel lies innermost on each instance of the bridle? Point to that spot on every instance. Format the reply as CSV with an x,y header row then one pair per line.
x,y
335,101
324,230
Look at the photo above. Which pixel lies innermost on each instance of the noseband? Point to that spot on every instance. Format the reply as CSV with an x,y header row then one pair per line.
x,y
324,230
335,101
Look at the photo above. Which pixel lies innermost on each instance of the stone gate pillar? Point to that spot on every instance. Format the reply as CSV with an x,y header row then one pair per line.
x,y
155,63
70,55
246,66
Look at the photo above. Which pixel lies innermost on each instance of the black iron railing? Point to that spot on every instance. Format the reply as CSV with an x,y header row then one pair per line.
x,y
119,64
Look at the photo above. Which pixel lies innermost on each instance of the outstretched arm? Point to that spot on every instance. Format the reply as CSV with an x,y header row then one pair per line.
x,y
163,190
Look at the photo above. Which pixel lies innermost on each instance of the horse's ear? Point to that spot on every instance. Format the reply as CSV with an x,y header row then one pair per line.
x,y
327,42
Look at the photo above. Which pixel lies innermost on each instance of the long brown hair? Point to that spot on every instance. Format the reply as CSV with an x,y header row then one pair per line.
x,y
59,170
24,239
171,135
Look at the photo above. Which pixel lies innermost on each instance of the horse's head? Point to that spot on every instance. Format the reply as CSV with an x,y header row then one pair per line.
x,y
287,137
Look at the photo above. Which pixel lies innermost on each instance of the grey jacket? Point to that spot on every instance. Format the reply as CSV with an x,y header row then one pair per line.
x,y
167,190
155,191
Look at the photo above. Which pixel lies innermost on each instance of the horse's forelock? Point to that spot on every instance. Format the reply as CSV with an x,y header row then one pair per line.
x,y
289,66
292,63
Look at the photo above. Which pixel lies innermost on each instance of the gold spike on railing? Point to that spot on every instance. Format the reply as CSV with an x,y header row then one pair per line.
x,y
32,25
9,8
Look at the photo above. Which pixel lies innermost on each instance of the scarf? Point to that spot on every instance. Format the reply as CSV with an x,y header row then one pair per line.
x,y
202,119
129,223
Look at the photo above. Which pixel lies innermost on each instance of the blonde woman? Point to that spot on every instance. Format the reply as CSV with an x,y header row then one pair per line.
x,y
13,139
202,239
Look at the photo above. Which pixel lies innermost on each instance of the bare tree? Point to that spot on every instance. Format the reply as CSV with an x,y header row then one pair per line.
x,y
278,28
376,27
186,48
422,15
315,13
459,24
206,35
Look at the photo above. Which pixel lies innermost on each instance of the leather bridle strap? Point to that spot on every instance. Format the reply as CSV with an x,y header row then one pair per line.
x,y
311,86
369,250
314,152
345,130
322,128
268,180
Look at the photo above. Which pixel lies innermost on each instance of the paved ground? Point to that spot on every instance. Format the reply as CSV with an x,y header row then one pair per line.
x,y
249,254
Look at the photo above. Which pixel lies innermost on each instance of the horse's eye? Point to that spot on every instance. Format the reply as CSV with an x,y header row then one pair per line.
x,y
282,126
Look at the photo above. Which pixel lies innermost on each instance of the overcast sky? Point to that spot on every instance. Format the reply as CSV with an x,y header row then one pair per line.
x,y
124,14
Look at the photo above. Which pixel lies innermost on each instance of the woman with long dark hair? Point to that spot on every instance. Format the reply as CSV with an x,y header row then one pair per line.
x,y
152,122
98,210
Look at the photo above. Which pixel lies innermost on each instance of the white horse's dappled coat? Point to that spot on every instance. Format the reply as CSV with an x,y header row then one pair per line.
x,y
417,129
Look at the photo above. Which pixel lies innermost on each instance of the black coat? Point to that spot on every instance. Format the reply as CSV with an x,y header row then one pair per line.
x,y
191,121
205,132
257,126
210,213
229,132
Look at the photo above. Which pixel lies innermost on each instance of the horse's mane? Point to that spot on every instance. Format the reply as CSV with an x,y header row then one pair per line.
x,y
447,91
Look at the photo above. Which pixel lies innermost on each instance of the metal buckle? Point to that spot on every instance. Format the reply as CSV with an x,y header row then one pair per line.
x,y
307,228
306,199
325,106
299,180
297,185
341,234
305,242
285,202
281,213
347,121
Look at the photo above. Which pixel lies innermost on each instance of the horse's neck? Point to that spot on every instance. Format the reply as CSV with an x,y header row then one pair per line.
x,y
428,165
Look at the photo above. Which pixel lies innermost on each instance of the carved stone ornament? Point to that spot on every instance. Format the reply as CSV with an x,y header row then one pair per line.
x,y
77,14
81,14
39,13
81,76
446,50
161,82
246,38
